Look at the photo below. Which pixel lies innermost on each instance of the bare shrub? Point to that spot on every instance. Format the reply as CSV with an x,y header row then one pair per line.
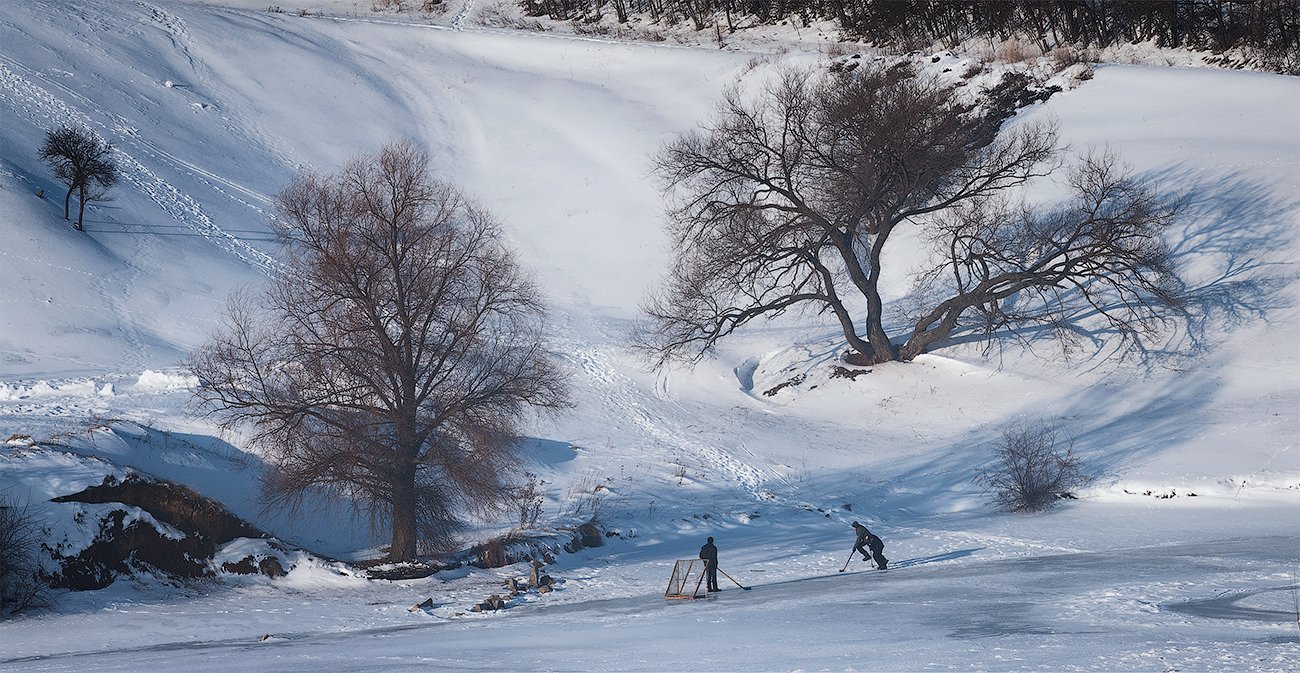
x,y
528,500
837,49
1016,51
679,471
586,497
1065,56
506,14
1033,469
1061,57
22,585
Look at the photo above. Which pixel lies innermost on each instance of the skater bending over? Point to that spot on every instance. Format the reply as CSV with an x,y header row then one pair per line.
x,y
870,546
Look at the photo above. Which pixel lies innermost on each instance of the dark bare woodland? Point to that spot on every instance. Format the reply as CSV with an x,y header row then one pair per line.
x,y
394,359
790,202
1267,31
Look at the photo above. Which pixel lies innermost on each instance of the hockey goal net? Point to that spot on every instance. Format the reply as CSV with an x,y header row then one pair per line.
x,y
688,577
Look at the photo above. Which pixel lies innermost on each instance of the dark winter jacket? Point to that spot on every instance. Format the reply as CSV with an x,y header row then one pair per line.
x,y
709,552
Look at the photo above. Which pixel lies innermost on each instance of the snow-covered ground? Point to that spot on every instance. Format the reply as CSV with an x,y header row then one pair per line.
x,y
1183,555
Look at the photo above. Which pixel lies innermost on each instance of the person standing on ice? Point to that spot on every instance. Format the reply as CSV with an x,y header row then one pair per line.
x,y
871,542
710,555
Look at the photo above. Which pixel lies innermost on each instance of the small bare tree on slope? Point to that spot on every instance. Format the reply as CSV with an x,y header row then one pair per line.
x,y
792,201
83,163
394,358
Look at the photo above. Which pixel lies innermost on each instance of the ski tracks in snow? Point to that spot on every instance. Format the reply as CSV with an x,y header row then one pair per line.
x,y
31,100
174,27
619,394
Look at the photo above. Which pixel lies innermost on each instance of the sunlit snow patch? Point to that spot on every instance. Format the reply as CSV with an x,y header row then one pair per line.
x,y
152,380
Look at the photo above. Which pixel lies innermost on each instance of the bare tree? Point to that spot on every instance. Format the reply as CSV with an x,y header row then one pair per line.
x,y
1033,468
394,359
83,163
790,202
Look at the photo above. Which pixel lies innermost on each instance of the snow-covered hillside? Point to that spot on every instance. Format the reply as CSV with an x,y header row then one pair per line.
x,y
1183,553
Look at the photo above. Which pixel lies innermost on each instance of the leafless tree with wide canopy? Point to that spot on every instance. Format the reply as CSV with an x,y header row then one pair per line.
x,y
395,357
792,199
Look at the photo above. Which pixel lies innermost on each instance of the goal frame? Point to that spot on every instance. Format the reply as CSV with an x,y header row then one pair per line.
x,y
684,572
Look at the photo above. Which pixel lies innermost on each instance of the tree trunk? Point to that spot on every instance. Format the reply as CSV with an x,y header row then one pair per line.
x,y
81,207
405,532
67,204
922,340
881,349
878,350
856,343
405,505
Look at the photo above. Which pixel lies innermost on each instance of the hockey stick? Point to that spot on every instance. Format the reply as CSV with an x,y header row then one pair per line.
x,y
848,560
733,580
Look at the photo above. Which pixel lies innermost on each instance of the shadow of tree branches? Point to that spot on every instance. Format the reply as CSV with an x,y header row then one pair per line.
x,y
1228,241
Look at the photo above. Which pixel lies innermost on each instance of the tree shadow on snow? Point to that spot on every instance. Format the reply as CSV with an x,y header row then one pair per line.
x,y
1109,427
1231,235
546,452
1228,606
1228,238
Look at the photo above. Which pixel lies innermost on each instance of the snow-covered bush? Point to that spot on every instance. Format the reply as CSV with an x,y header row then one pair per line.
x,y
21,584
1032,469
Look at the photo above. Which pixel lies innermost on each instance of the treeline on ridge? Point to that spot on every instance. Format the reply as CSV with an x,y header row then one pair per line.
x,y
1270,29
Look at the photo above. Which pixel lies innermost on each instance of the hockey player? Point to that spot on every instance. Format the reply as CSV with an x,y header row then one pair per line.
x,y
710,555
870,546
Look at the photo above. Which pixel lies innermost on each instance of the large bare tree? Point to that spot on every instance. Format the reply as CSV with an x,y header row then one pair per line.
x,y
394,358
791,199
